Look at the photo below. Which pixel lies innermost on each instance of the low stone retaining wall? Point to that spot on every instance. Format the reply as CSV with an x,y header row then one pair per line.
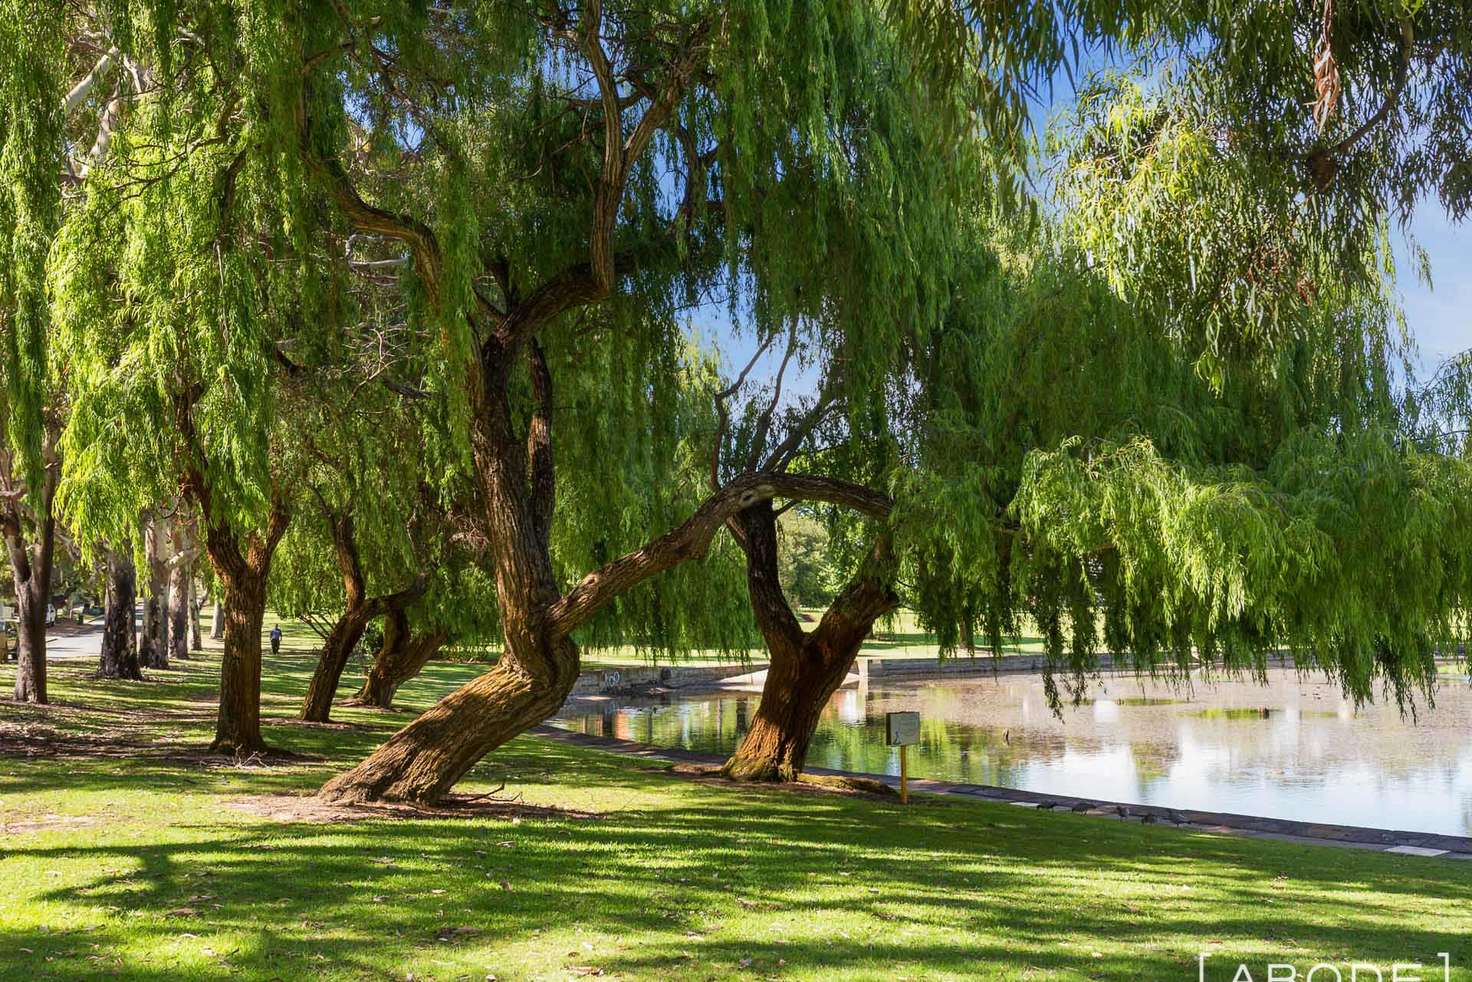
x,y
879,669
610,681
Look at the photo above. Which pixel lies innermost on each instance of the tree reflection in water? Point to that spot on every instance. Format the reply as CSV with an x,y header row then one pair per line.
x,y
1293,748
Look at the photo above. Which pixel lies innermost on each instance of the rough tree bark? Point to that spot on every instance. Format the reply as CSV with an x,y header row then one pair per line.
x,y
514,475
180,563
238,724
402,657
804,669
356,616
119,642
242,565
30,570
153,645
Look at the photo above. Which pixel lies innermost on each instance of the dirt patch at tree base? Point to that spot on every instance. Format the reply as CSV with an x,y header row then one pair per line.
x,y
41,741
16,825
815,783
309,808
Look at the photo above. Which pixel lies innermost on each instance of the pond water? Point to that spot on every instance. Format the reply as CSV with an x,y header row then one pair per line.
x,y
1292,749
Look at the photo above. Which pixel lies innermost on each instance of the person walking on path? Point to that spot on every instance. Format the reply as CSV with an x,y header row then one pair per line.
x,y
276,640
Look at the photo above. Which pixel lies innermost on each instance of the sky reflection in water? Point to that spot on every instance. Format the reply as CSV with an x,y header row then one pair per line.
x,y
1292,749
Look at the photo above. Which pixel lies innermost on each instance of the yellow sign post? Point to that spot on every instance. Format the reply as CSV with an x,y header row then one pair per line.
x,y
901,730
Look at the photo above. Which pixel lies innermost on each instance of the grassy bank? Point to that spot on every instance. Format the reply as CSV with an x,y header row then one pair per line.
x,y
126,854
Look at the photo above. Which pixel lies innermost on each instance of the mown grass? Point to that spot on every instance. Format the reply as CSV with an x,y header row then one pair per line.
x,y
125,858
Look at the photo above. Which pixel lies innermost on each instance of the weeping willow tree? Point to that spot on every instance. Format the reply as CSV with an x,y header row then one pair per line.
x,y
1193,442
32,115
192,257
620,161
541,190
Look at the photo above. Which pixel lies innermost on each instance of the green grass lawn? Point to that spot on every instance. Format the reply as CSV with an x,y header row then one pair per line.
x,y
123,857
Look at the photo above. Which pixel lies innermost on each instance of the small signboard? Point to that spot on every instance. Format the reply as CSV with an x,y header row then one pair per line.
x,y
901,729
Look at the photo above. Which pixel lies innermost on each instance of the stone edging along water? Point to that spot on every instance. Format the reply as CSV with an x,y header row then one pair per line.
x,y
1346,836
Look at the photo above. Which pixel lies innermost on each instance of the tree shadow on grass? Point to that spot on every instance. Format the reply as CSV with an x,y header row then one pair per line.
x,y
707,877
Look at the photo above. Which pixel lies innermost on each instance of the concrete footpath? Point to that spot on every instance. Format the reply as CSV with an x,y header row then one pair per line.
x,y
1345,836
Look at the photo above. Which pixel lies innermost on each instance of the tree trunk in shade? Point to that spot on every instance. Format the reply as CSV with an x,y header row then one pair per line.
x,y
153,646
402,657
805,669
30,570
119,642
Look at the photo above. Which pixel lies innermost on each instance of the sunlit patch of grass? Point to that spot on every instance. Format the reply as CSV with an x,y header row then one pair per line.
x,y
136,865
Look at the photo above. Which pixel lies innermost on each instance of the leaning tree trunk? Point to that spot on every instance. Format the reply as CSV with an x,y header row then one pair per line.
x,y
119,643
30,567
401,658
336,649
539,662
153,650
178,606
805,669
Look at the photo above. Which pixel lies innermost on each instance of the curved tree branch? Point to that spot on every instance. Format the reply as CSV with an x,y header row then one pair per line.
x,y
692,539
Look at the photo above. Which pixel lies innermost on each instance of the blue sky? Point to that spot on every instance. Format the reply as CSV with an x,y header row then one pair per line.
x,y
1440,316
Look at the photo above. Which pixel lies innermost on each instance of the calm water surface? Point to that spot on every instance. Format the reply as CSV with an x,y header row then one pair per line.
x,y
1292,749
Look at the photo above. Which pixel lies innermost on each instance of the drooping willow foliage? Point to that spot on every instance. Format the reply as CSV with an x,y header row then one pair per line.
x,y
1158,420
1184,423
30,167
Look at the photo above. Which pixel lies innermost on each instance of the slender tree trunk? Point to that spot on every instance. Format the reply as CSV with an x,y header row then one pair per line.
x,y
153,647
805,669
401,658
238,726
195,603
178,606
30,567
119,643
217,619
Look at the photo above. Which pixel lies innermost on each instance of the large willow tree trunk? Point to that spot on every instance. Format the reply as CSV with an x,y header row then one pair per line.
x,y
30,636
153,646
242,566
178,607
402,657
30,569
119,643
805,669
539,663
